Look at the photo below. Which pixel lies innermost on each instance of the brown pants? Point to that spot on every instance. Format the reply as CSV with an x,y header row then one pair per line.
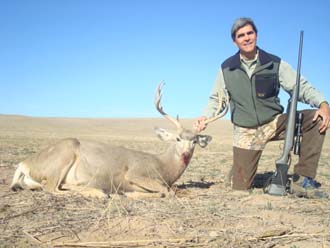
x,y
245,162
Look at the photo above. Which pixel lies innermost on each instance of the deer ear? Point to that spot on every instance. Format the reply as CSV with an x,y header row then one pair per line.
x,y
203,140
163,134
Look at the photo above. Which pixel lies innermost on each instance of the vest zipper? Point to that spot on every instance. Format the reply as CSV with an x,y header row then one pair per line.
x,y
252,96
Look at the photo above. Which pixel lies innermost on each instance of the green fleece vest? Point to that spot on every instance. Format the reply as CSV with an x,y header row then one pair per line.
x,y
255,101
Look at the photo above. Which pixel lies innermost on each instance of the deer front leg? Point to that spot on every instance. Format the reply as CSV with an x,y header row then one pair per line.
x,y
147,187
142,195
83,190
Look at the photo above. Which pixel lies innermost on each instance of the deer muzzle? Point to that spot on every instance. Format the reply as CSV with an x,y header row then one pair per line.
x,y
185,157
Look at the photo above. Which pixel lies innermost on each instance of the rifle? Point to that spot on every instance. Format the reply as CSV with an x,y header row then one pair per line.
x,y
279,180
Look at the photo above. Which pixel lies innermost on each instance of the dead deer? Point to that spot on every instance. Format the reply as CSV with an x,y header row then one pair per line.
x,y
99,169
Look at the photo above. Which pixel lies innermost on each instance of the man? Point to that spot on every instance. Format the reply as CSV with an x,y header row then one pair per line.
x,y
252,78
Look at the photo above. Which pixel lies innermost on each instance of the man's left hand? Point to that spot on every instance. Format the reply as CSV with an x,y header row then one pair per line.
x,y
324,113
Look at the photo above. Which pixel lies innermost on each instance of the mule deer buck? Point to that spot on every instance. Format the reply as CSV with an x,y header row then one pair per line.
x,y
99,169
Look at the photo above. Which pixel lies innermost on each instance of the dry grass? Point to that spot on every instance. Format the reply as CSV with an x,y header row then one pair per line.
x,y
204,213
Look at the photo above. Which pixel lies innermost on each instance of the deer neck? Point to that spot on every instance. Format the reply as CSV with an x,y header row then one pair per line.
x,y
174,164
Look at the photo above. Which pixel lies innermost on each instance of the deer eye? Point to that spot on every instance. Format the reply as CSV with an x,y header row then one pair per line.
x,y
194,141
178,139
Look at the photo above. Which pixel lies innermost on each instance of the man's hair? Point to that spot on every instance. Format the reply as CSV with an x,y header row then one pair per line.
x,y
241,22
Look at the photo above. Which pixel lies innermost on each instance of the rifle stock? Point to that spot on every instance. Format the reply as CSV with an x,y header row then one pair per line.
x,y
278,183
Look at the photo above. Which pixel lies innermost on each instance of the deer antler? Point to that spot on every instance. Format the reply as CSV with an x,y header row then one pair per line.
x,y
223,103
158,98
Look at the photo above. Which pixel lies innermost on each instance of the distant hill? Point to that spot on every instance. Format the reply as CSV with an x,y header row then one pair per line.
x,y
60,126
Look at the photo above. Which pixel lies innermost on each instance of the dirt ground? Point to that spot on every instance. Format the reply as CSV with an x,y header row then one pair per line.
x,y
204,213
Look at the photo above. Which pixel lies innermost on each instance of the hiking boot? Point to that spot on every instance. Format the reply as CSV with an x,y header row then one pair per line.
x,y
306,187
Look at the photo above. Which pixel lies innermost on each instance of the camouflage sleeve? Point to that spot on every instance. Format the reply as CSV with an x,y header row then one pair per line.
x,y
307,94
218,89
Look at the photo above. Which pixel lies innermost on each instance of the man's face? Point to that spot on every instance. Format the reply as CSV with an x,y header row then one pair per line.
x,y
246,40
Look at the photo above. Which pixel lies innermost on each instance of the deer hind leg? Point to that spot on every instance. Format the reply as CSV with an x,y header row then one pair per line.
x,y
17,179
64,172
31,184
22,179
67,181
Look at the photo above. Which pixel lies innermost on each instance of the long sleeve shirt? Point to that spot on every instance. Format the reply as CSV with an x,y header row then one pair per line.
x,y
287,78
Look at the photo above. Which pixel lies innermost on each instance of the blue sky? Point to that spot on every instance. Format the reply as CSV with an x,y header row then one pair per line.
x,y
94,58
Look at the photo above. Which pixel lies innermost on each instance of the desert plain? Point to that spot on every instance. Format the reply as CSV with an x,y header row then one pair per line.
x,y
205,212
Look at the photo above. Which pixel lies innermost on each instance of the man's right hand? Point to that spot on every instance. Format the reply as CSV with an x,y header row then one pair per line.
x,y
200,124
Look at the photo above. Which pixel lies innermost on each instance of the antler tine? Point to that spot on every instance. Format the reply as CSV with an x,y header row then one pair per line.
x,y
158,98
218,114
